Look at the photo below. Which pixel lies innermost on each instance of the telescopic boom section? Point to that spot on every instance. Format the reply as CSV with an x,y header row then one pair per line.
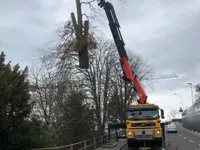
x,y
129,75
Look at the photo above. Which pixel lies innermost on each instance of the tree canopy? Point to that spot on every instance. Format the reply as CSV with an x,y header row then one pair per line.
x,y
17,129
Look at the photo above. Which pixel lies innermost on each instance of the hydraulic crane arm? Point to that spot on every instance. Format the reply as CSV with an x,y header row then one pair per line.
x,y
129,75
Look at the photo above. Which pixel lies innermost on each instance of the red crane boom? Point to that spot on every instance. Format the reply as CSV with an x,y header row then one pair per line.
x,y
129,74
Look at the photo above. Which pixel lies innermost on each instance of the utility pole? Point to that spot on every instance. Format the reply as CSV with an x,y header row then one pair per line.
x,y
81,36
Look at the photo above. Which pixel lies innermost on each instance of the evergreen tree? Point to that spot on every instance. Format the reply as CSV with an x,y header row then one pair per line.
x,y
17,131
78,119
115,108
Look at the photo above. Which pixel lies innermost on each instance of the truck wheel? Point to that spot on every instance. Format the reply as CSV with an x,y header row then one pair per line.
x,y
130,145
160,144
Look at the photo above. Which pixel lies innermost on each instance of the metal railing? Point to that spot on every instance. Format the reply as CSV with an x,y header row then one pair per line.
x,y
89,144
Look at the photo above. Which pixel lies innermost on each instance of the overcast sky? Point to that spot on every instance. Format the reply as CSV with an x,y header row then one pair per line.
x,y
164,32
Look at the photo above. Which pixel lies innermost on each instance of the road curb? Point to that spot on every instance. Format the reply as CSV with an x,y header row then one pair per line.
x,y
122,146
109,145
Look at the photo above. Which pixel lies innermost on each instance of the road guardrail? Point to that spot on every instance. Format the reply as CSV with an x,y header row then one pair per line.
x,y
89,144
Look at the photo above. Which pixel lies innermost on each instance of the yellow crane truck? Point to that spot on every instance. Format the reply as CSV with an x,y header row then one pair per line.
x,y
144,127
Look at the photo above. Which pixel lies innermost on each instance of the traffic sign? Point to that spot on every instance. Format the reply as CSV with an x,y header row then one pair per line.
x,y
180,109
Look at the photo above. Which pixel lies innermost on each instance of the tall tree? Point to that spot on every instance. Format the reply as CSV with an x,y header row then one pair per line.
x,y
18,130
124,93
61,104
103,75
77,119
14,104
46,95
197,96
173,114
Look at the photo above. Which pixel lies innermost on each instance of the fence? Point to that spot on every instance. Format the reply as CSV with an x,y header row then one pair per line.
x,y
90,144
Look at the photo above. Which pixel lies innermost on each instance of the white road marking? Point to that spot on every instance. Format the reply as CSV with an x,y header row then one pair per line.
x,y
191,141
199,144
184,137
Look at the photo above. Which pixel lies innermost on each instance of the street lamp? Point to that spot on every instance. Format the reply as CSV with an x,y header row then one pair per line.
x,y
191,93
180,97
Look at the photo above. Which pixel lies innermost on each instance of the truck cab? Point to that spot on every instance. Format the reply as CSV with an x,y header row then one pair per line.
x,y
143,125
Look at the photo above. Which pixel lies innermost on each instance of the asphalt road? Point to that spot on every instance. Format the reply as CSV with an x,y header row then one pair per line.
x,y
183,140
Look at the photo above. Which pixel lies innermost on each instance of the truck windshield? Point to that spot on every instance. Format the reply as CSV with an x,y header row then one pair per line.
x,y
143,114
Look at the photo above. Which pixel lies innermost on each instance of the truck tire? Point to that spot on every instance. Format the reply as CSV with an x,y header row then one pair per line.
x,y
159,144
130,145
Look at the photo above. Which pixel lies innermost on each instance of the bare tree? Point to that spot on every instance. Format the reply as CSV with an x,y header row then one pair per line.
x,y
50,89
53,80
97,79
173,114
103,77
124,92
44,94
197,96
109,93
60,104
